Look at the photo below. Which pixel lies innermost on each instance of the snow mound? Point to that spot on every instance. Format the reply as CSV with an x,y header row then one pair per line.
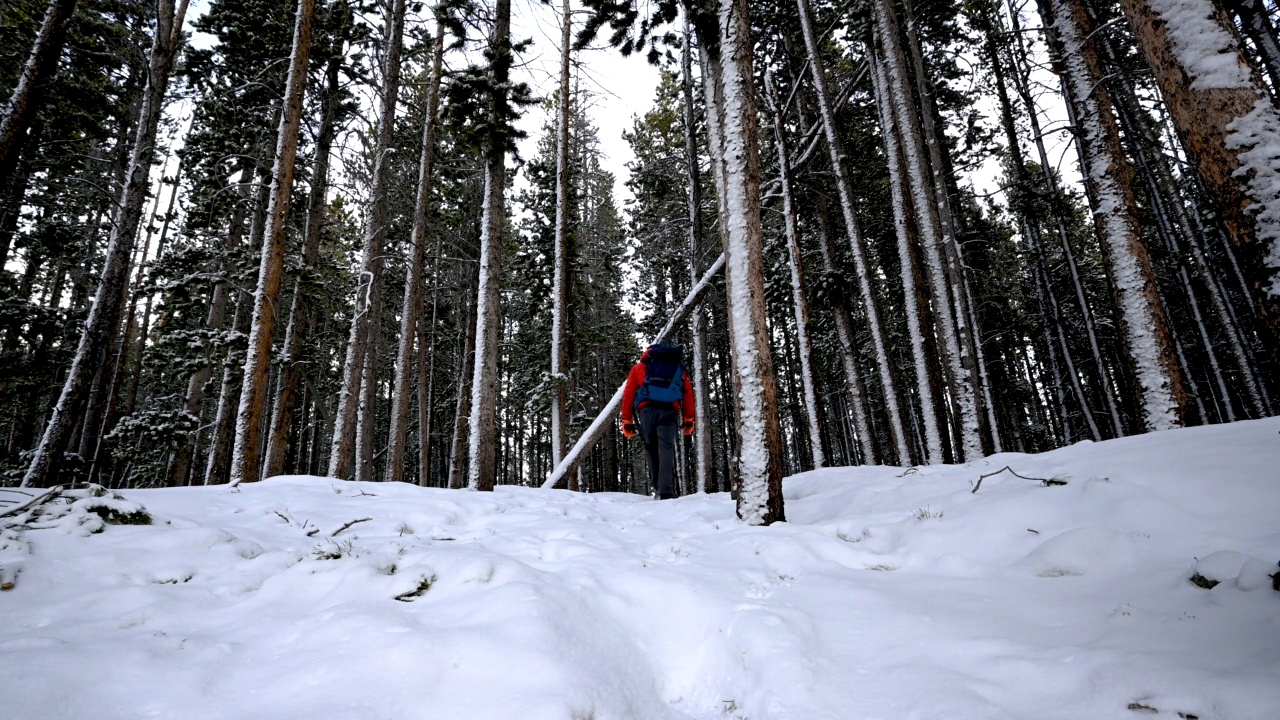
x,y
888,594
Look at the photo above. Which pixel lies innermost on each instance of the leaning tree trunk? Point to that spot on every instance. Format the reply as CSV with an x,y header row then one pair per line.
x,y
1228,125
1144,326
246,453
104,318
411,307
725,38
28,94
368,292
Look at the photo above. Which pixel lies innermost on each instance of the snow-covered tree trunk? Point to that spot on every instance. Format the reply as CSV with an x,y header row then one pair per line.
x,y
301,314
973,395
897,431
411,306
1022,83
560,262
1144,327
731,113
368,291
702,418
795,264
28,93
104,317
1228,125
246,453
902,216
482,433
933,233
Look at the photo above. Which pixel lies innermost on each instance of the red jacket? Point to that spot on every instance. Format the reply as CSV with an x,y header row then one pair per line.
x,y
636,378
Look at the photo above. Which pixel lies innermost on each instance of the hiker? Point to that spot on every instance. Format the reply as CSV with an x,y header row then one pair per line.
x,y
658,394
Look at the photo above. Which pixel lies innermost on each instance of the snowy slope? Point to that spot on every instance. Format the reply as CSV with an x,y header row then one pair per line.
x,y
887,595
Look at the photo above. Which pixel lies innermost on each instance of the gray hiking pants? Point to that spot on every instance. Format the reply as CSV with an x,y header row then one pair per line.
x,y
659,428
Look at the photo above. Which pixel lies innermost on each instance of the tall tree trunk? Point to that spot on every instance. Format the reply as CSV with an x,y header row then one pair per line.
x,y
933,229
561,259
725,38
799,304
411,307
104,318
1144,326
246,453
483,445
1228,126
907,237
862,266
301,314
462,405
702,418
427,373
364,321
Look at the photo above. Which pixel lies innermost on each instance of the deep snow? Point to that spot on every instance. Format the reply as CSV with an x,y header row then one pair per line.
x,y
888,595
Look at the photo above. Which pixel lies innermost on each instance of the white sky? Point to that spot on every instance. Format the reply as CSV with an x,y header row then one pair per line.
x,y
624,87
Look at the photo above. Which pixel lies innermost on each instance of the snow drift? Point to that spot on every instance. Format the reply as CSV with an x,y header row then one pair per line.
x,y
890,594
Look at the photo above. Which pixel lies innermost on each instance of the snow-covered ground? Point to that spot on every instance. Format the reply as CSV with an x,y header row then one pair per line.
x,y
888,595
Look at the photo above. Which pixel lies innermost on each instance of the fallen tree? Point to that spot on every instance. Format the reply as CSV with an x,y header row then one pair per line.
x,y
601,424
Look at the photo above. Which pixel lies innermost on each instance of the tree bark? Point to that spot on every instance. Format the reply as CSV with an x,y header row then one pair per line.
x,y
799,304
301,315
246,452
702,418
561,260
1228,126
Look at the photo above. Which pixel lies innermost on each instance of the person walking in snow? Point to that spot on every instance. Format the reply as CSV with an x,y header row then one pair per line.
x,y
658,394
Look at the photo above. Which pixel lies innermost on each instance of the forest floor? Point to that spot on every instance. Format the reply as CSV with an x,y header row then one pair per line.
x,y
888,594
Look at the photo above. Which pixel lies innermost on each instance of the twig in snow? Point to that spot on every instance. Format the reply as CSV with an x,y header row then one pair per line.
x,y
344,527
1056,480
48,495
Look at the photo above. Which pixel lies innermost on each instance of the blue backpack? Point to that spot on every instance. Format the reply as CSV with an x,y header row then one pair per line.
x,y
664,375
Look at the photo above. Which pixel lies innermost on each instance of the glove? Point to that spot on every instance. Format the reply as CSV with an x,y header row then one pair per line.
x,y
628,429
687,427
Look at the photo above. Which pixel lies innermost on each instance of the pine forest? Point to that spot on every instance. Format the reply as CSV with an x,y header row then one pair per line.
x,y
357,239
